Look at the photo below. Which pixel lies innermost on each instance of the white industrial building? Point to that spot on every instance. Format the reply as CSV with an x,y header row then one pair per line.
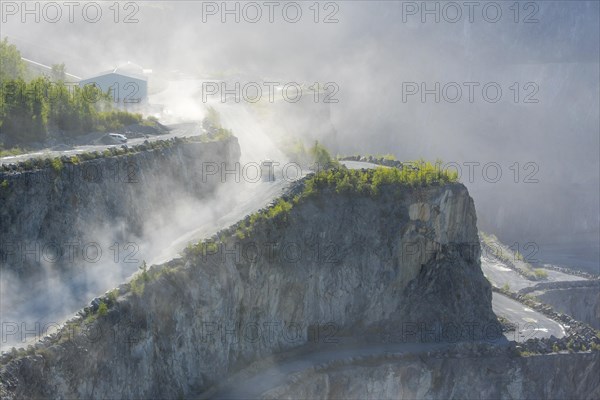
x,y
127,85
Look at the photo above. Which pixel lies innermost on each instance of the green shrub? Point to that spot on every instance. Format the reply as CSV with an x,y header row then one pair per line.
x,y
519,256
540,273
137,285
90,318
4,184
112,295
320,156
240,233
86,156
144,269
28,164
102,308
56,164
282,207
370,181
15,151
222,134
316,157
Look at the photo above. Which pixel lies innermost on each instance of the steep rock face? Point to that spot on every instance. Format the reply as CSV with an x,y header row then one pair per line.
x,y
47,214
581,303
335,265
556,376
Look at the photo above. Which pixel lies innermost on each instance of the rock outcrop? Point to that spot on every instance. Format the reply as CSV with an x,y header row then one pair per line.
x,y
76,226
464,376
50,214
334,265
581,303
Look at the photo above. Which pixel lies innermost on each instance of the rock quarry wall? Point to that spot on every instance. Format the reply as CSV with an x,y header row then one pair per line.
x,y
336,264
466,376
581,303
49,213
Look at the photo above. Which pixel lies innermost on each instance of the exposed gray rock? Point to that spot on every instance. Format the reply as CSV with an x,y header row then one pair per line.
x,y
339,265
46,212
581,303
558,376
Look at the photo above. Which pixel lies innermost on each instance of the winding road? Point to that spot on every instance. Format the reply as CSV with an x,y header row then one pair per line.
x,y
178,130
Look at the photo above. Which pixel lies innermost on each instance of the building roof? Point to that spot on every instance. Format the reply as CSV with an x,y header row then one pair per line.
x,y
47,67
124,71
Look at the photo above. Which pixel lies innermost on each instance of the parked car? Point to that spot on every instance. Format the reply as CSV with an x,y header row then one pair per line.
x,y
118,137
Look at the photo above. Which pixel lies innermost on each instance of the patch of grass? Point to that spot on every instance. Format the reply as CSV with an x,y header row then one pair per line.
x,y
4,184
112,295
282,207
102,309
138,283
370,181
240,233
15,151
137,286
519,256
540,273
278,211
90,318
74,160
341,180
87,155
57,164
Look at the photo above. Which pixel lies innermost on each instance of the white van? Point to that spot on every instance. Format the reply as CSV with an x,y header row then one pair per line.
x,y
118,137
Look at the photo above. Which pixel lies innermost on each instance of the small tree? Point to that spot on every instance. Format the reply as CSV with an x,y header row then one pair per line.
x,y
58,73
11,64
144,269
320,155
102,308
